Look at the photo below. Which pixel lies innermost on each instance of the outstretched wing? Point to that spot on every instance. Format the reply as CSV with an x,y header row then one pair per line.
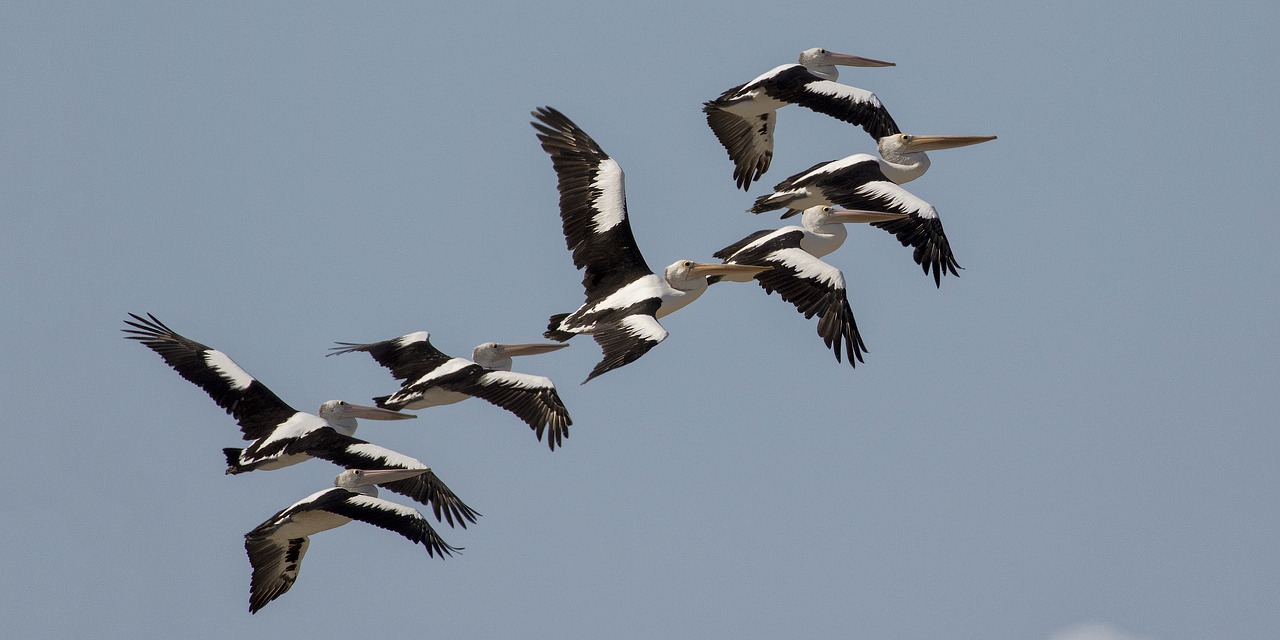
x,y
748,139
255,408
353,453
408,357
387,515
593,205
814,287
799,85
624,341
275,563
921,229
533,398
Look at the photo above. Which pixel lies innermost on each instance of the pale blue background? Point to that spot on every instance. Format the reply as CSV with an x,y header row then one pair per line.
x,y
1080,429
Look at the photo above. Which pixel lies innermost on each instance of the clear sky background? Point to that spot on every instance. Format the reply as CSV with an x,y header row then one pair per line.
x,y
1075,439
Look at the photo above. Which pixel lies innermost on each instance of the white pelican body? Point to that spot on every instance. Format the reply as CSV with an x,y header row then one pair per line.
x,y
276,547
282,436
857,182
624,297
801,278
430,378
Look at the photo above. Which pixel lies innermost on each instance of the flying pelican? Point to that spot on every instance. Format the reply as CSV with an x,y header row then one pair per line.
x,y
281,435
743,117
276,547
432,378
624,297
857,182
801,278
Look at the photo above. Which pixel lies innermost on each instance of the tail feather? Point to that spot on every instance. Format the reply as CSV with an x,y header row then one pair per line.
x,y
772,202
233,460
554,332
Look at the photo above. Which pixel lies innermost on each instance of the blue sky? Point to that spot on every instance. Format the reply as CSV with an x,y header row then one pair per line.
x,y
1076,436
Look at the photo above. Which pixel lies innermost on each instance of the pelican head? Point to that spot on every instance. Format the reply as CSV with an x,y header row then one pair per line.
x,y
363,480
904,156
497,356
688,272
341,413
823,62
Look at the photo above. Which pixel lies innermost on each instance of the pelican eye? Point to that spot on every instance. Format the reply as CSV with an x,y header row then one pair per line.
x,y
687,263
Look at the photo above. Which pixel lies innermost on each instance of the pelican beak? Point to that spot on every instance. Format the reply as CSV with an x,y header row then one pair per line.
x,y
933,143
847,60
380,476
374,413
530,349
716,269
855,216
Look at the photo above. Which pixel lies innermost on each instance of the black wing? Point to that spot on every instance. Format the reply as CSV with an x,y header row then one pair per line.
x,y
353,453
593,207
814,287
408,357
747,139
624,341
799,85
387,515
532,398
257,410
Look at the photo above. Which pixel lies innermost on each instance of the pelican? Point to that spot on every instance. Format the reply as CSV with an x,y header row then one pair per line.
x,y
801,278
283,436
742,118
432,378
624,297
857,182
276,547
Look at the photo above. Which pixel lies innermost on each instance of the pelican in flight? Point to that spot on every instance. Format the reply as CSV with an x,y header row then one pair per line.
x,y
432,378
743,117
281,435
276,547
857,182
624,297
801,278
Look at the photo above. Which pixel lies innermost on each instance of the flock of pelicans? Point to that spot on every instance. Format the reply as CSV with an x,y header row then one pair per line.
x,y
624,301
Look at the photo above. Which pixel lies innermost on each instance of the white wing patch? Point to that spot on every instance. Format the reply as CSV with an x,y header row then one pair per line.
x,y
392,458
451,366
516,380
416,336
384,505
611,205
766,238
835,165
843,92
899,197
645,327
638,290
808,267
227,368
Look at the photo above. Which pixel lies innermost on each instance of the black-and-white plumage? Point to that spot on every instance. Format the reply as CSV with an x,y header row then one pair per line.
x,y
801,278
276,547
743,118
281,435
624,297
856,182
431,378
